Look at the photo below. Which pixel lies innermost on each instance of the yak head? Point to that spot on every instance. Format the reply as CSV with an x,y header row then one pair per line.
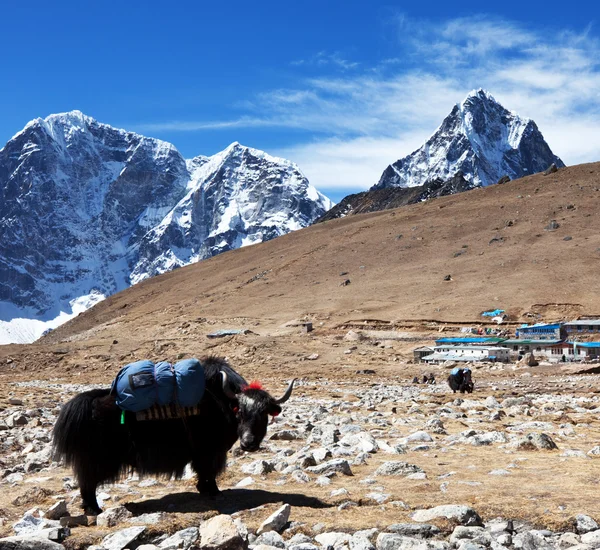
x,y
252,407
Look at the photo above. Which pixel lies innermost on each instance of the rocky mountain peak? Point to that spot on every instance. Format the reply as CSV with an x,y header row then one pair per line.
x,y
88,209
479,137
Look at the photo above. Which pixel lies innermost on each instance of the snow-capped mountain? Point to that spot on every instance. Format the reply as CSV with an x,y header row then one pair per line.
x,y
87,209
479,138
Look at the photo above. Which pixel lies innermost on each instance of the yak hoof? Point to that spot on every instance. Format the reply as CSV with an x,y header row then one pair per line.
x,y
208,487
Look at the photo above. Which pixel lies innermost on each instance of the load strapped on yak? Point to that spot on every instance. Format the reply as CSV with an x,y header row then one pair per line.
x,y
159,391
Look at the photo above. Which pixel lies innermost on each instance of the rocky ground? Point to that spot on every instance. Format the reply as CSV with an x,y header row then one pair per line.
x,y
361,458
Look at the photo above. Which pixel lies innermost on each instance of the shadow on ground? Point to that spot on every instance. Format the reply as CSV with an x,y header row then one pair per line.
x,y
228,502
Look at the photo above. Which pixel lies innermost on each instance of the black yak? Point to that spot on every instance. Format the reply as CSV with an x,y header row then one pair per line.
x,y
102,443
460,379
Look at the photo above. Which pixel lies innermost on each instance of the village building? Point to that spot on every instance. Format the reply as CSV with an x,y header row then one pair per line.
x,y
572,351
582,326
469,341
467,354
541,331
421,352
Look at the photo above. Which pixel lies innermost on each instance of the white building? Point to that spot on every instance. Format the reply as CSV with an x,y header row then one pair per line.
x,y
467,354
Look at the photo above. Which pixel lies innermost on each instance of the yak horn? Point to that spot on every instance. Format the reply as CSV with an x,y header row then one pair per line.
x,y
226,389
287,393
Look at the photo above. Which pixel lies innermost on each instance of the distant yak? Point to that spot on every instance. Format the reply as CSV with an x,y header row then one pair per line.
x,y
460,380
103,444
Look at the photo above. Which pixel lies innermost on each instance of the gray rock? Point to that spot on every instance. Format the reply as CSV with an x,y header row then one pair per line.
x,y
57,510
181,539
535,442
419,437
358,542
303,546
221,533
24,542
113,516
392,541
397,468
276,521
270,538
592,538
258,467
423,530
477,535
122,538
286,435
335,540
149,519
463,514
362,441
531,540
337,465
585,524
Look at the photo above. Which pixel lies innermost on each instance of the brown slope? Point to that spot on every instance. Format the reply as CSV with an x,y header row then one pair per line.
x,y
491,241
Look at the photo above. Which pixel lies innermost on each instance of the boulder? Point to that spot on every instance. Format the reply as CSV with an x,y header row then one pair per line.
x,y
221,533
397,468
458,512
24,542
276,521
535,442
122,538
113,516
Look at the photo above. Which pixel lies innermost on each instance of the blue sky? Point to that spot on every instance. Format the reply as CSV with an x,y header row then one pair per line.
x,y
341,87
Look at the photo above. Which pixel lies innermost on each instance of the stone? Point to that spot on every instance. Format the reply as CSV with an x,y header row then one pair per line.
x,y
181,539
358,542
149,519
74,521
363,441
24,542
221,533
535,442
461,513
567,540
592,538
122,538
392,541
585,524
258,467
421,436
113,516
286,435
594,451
245,482
423,530
333,539
337,465
478,535
276,521
397,468
303,546
270,538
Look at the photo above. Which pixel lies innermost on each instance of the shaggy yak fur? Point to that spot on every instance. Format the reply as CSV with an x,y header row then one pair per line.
x,y
90,437
461,381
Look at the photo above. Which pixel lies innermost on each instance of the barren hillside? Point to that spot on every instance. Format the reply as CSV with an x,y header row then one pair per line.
x,y
495,243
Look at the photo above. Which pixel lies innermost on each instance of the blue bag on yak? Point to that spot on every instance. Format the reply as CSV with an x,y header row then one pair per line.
x,y
143,384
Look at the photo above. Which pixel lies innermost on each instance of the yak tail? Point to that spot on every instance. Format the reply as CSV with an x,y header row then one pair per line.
x,y
75,429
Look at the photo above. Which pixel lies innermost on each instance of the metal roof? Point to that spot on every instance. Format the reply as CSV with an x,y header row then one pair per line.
x,y
584,344
517,342
478,348
467,340
540,325
584,322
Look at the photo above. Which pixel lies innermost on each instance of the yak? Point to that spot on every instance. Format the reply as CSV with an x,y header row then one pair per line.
x,y
102,443
460,379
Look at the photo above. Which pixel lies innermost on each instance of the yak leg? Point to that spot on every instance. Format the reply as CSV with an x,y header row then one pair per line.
x,y
207,469
88,495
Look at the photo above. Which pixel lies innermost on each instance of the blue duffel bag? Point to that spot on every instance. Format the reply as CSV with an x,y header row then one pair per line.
x,y
143,384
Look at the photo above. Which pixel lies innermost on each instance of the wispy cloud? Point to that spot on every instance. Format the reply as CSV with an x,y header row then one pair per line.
x,y
323,59
365,118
